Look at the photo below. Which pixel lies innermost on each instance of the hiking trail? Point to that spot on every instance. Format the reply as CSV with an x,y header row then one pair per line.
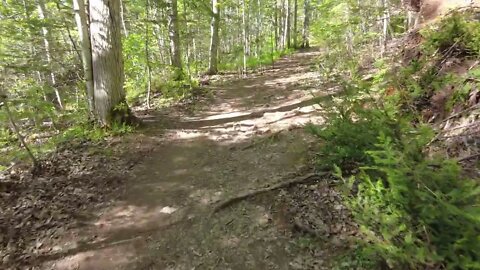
x,y
247,136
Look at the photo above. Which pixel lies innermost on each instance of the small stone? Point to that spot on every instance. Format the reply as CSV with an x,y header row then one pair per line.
x,y
168,210
6,259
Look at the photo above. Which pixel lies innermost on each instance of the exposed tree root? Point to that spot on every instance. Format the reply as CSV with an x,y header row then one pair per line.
x,y
283,184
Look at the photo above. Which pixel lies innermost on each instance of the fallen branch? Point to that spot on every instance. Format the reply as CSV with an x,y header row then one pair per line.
x,y
469,157
283,184
476,106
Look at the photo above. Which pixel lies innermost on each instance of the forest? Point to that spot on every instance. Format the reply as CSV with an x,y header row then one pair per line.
x,y
239,134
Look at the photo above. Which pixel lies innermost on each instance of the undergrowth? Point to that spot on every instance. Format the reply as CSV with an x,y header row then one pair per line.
x,y
414,210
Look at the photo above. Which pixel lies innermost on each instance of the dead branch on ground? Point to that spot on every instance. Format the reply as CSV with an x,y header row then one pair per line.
x,y
282,184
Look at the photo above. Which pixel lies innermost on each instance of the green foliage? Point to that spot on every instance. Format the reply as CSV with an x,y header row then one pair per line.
x,y
349,133
420,212
414,211
459,31
85,131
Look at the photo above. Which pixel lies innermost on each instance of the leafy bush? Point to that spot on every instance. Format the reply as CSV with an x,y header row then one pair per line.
x,y
353,127
414,212
421,213
348,135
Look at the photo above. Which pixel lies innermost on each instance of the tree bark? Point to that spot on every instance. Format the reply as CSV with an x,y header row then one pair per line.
x,y
287,33
275,24
108,71
47,41
174,34
306,25
147,54
214,39
385,23
295,23
245,39
122,16
86,51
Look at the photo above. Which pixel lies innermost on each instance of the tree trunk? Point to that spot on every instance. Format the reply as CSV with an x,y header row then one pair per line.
x,y
306,25
275,24
295,24
245,40
147,54
108,72
287,38
174,34
214,40
86,52
122,16
47,41
385,23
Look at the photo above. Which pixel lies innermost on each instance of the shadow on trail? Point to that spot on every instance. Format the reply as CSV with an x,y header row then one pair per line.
x,y
242,116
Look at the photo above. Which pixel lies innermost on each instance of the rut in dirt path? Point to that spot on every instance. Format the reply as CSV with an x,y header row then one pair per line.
x,y
229,145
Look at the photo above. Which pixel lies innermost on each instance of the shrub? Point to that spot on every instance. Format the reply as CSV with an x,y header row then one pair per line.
x,y
420,213
351,129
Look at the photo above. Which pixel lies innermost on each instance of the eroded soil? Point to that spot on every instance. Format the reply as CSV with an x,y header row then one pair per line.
x,y
248,135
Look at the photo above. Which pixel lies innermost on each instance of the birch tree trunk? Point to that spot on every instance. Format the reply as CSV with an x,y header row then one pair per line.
x,y
47,41
108,72
147,53
287,37
306,25
281,21
214,39
385,23
245,39
174,34
86,50
122,16
295,24
275,23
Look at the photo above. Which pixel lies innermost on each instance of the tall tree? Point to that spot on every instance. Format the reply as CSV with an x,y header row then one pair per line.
x,y
86,50
287,37
174,34
385,22
306,25
147,53
122,17
214,38
295,23
108,73
245,39
48,41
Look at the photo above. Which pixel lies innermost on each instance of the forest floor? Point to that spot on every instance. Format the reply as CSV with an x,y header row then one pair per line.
x,y
168,177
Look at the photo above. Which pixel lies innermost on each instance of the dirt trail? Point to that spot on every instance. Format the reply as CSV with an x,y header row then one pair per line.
x,y
230,144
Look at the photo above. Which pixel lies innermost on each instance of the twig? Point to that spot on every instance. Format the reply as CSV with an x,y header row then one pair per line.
x,y
468,157
283,184
460,135
462,112
473,124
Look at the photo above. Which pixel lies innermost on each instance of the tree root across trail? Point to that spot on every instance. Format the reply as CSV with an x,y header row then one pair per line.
x,y
283,184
